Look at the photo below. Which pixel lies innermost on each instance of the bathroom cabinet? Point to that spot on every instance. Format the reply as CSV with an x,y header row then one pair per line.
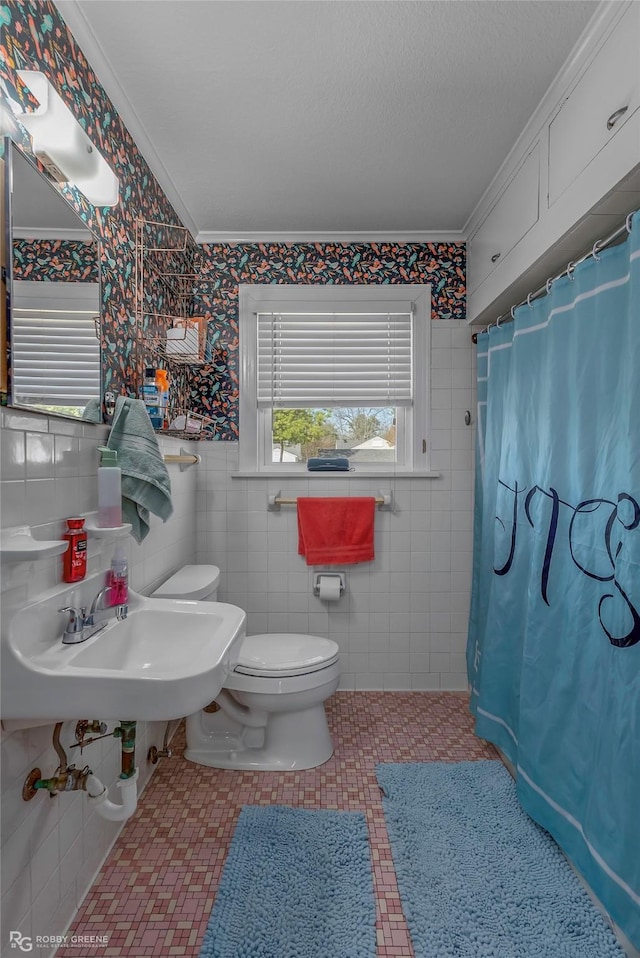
x,y
604,99
571,177
514,214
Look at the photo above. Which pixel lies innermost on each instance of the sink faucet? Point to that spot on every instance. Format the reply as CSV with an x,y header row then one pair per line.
x,y
81,626
98,605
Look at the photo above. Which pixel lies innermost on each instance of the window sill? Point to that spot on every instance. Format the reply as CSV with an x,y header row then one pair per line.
x,y
370,474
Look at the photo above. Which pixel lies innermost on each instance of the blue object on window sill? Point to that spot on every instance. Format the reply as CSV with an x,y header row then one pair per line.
x,y
333,464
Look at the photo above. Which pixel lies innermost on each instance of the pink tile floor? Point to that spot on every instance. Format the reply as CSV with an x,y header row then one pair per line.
x,y
156,890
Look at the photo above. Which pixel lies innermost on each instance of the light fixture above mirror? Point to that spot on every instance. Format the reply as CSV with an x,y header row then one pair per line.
x,y
62,146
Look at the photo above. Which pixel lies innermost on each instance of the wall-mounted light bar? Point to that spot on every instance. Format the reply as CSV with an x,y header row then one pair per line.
x,y
62,145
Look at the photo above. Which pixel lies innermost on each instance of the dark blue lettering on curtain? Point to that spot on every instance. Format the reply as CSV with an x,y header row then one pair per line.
x,y
554,636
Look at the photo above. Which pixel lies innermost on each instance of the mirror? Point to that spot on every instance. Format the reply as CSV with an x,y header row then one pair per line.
x,y
53,314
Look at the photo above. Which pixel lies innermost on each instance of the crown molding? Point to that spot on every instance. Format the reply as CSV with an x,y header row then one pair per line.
x,y
86,39
209,237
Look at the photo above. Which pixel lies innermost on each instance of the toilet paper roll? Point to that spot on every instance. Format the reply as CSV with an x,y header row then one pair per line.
x,y
329,588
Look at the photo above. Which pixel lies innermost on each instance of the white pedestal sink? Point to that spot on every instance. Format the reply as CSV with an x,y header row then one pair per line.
x,y
167,659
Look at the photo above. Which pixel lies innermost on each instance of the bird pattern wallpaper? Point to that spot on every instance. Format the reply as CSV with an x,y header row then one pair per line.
x,y
67,261
35,37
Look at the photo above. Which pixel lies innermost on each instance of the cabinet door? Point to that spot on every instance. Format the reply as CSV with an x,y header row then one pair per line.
x,y
515,212
606,95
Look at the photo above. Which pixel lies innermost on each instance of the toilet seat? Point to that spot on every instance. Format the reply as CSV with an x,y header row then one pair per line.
x,y
280,685
282,654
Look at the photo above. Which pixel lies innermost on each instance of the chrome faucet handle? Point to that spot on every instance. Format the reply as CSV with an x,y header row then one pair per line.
x,y
75,625
76,617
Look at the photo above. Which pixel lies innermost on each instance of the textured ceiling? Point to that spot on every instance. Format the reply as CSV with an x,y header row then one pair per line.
x,y
325,117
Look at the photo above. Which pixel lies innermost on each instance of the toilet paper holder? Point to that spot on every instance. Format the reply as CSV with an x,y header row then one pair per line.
x,y
329,575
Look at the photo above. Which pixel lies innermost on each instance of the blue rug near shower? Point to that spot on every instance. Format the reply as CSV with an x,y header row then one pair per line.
x,y
296,884
477,877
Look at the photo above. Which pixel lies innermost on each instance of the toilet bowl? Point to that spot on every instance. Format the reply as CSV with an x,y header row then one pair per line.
x,y
270,713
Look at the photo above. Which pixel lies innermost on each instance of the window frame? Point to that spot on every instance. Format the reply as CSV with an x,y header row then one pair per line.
x,y
255,425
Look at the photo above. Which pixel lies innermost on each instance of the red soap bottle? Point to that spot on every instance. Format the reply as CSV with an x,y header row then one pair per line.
x,y
75,558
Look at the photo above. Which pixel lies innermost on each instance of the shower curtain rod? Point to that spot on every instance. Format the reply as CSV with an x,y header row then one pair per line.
x,y
567,271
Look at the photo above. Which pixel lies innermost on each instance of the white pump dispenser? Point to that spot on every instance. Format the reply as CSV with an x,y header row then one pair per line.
x,y
109,490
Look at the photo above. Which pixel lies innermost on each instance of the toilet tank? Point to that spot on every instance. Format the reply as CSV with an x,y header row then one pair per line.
x,y
191,582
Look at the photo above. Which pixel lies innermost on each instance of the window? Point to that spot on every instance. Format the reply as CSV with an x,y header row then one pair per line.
x,y
56,361
334,371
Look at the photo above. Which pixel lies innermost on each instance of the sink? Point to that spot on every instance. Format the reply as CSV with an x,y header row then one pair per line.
x,y
167,659
145,642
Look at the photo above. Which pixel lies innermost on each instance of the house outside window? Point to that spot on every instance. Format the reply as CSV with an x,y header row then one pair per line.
x,y
334,371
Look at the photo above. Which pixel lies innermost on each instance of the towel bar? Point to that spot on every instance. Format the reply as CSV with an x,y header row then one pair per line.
x,y
185,459
384,500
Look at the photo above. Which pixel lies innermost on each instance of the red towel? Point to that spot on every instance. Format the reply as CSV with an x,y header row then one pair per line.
x,y
336,531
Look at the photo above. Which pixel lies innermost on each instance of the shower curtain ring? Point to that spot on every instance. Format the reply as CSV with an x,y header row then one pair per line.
x,y
529,301
513,312
570,270
627,222
594,251
548,285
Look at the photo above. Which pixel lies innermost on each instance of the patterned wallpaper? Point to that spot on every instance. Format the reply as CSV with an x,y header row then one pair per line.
x,y
214,389
35,37
51,260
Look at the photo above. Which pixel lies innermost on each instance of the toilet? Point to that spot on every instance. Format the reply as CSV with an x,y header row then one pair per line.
x,y
270,714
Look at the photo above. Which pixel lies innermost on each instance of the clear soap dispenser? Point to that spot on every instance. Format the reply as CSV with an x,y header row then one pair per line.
x,y
119,578
109,490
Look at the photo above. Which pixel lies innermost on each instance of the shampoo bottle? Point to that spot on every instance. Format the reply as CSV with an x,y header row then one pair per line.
x,y
119,578
162,384
150,397
109,490
75,558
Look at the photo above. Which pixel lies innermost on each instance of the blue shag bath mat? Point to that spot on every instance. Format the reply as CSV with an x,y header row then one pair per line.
x,y
296,884
477,877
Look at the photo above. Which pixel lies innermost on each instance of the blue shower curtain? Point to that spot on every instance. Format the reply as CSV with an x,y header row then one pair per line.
x,y
554,636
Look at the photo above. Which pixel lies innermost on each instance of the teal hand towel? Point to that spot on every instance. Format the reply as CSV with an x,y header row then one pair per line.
x,y
146,486
93,411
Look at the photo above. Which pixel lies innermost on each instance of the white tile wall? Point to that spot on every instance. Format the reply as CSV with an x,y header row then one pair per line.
x,y
403,620
401,625
52,848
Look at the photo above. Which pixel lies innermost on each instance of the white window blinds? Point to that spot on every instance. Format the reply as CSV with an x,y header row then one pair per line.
x,y
350,356
56,350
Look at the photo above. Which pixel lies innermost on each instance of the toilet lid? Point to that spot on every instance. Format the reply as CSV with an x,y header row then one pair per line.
x,y
285,653
190,582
